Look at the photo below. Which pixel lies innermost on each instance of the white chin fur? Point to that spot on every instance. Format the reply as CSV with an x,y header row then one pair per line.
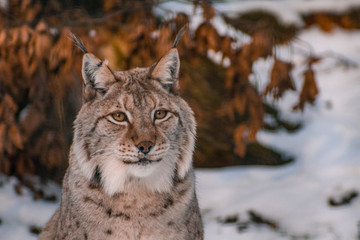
x,y
160,178
142,171
115,175
155,177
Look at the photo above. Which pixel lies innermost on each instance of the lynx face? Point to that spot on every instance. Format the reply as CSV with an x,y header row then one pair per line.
x,y
133,127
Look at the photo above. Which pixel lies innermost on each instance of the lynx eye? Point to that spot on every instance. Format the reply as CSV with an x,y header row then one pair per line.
x,y
160,114
119,116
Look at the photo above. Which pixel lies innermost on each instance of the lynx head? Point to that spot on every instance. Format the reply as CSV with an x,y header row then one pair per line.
x,y
133,127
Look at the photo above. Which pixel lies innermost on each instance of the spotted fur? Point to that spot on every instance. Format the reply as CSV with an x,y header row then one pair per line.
x,y
131,179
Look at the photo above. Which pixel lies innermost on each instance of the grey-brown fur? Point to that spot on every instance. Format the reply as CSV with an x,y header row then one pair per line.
x,y
131,179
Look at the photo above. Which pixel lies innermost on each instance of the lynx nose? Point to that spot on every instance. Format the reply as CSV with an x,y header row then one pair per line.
x,y
145,146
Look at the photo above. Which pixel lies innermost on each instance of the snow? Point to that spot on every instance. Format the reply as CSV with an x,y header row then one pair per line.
x,y
295,196
19,213
286,10
327,154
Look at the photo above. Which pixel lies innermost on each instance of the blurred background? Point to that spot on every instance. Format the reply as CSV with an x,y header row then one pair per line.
x,y
274,86
41,83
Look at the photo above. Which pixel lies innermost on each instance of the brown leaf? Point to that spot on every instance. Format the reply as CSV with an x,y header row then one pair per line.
x,y
24,62
25,32
33,67
347,22
207,38
41,27
213,39
252,134
32,12
325,22
310,84
256,112
43,45
10,148
61,53
313,60
240,103
181,19
208,10
14,35
15,136
240,148
243,61
309,90
280,79
10,107
239,132
226,47
3,37
256,119
24,5
261,45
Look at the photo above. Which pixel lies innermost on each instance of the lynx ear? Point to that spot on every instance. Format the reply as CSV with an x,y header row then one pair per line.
x,y
166,71
97,76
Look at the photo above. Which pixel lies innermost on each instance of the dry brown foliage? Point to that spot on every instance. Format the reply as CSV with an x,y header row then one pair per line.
x,y
40,83
327,21
280,79
309,89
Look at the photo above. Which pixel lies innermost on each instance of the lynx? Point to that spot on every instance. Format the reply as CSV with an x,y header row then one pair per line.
x,y
130,174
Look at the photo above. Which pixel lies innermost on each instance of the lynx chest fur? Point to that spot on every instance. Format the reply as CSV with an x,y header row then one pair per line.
x,y
130,173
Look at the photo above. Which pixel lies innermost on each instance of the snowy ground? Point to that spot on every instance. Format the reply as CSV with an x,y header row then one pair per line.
x,y
290,202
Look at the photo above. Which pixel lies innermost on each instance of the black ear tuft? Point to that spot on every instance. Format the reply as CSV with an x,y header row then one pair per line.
x,y
96,74
77,41
166,70
179,35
